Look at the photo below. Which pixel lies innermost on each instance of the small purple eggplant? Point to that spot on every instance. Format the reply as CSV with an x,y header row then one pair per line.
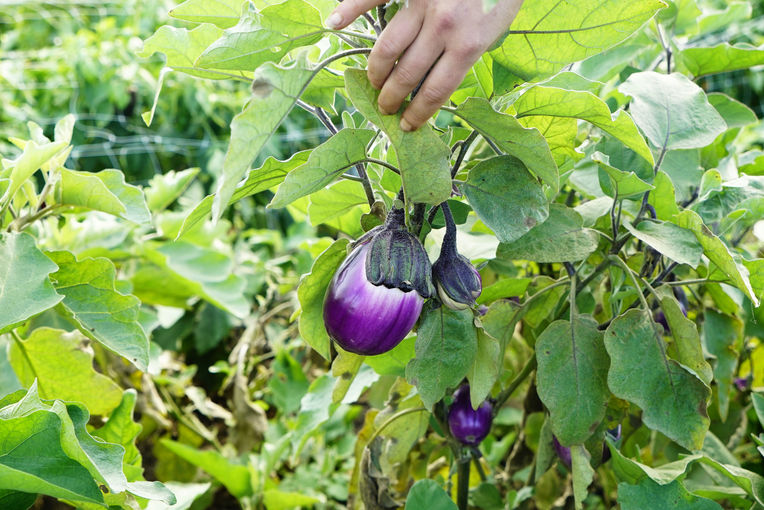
x,y
469,426
364,318
563,452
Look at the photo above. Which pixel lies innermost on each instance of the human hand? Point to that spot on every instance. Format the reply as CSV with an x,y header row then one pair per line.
x,y
442,37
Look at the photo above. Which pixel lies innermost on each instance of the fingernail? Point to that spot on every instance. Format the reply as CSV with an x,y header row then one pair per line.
x,y
405,125
385,111
334,21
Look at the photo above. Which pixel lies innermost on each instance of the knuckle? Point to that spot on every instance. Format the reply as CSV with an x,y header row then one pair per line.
x,y
468,49
445,20
406,76
386,48
434,95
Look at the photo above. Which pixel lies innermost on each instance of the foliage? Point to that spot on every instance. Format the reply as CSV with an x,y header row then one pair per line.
x,y
591,179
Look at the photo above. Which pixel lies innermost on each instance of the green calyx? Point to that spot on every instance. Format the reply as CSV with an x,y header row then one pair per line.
x,y
397,259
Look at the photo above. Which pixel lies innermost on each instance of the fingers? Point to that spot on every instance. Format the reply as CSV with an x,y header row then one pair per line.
x,y
444,78
348,11
407,74
399,34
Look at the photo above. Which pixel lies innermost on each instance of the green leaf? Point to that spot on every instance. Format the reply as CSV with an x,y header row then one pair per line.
x,y
165,188
723,338
104,191
182,47
25,288
422,156
648,494
548,34
527,145
618,183
672,111
16,500
583,474
663,198
428,494
122,430
62,427
572,377
689,351
578,104
506,288
270,174
31,159
277,90
63,370
339,206
325,163
720,59
713,20
311,292
198,271
275,499
315,409
485,368
32,460
234,476
186,494
717,252
500,320
402,433
561,238
223,13
500,188
344,368
394,362
446,346
734,113
264,36
673,400
322,88
674,242
98,310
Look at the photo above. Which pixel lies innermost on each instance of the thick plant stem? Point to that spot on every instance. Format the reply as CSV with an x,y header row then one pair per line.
x,y
463,483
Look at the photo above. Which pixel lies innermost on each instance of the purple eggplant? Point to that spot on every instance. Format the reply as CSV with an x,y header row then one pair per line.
x,y
563,452
364,318
469,426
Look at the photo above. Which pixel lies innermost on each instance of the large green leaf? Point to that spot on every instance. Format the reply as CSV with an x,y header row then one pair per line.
x,y
422,156
63,370
584,105
311,295
196,271
717,252
223,13
734,113
674,242
506,197
723,338
446,346
428,494
182,47
721,58
25,288
572,377
527,145
277,91
402,433
339,206
618,183
104,191
672,111
583,474
325,163
94,305
49,450
271,173
264,36
561,238
648,494
673,400
549,34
